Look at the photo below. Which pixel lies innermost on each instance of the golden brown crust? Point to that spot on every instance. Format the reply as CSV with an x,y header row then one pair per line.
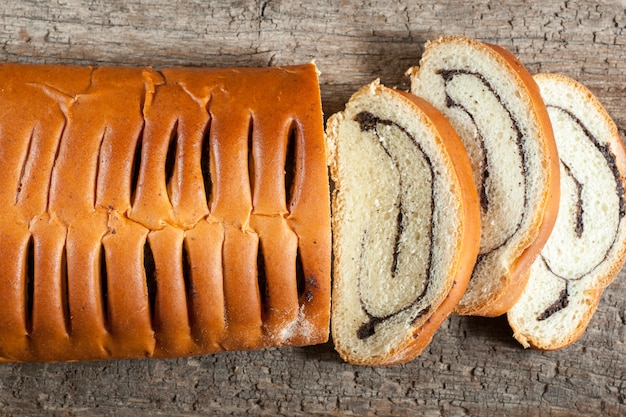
x,y
138,202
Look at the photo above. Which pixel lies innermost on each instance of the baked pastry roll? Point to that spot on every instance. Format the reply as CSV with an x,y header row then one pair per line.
x,y
161,213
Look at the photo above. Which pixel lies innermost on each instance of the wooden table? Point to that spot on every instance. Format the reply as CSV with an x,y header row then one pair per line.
x,y
473,366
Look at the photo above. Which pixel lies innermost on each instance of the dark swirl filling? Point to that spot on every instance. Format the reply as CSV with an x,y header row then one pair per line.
x,y
447,76
560,303
369,122
579,224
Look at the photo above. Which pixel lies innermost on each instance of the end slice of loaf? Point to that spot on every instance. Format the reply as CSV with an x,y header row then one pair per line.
x,y
495,106
406,225
587,247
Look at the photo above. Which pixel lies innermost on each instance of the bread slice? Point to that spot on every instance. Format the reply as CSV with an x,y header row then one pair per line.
x,y
495,106
587,247
405,224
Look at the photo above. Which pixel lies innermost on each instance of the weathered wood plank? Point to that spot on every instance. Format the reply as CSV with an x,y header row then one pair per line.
x,y
473,367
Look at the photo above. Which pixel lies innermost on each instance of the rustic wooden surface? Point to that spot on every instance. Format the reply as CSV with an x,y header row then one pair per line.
x,y
473,367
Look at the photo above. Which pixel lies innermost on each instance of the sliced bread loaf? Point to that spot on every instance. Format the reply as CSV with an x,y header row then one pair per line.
x,y
494,105
406,224
587,247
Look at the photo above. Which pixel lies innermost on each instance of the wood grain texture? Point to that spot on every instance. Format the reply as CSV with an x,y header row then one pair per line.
x,y
473,367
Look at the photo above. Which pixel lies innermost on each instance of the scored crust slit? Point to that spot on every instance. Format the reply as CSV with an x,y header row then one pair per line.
x,y
494,105
405,224
587,247
138,202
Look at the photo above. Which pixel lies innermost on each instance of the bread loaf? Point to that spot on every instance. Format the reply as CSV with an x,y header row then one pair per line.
x,y
406,225
587,247
495,106
161,213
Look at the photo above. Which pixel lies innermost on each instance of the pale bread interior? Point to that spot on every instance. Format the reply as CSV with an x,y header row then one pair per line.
x,y
542,291
583,171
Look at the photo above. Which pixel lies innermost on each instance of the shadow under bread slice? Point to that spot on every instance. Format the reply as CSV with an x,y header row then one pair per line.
x,y
587,247
495,106
406,224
